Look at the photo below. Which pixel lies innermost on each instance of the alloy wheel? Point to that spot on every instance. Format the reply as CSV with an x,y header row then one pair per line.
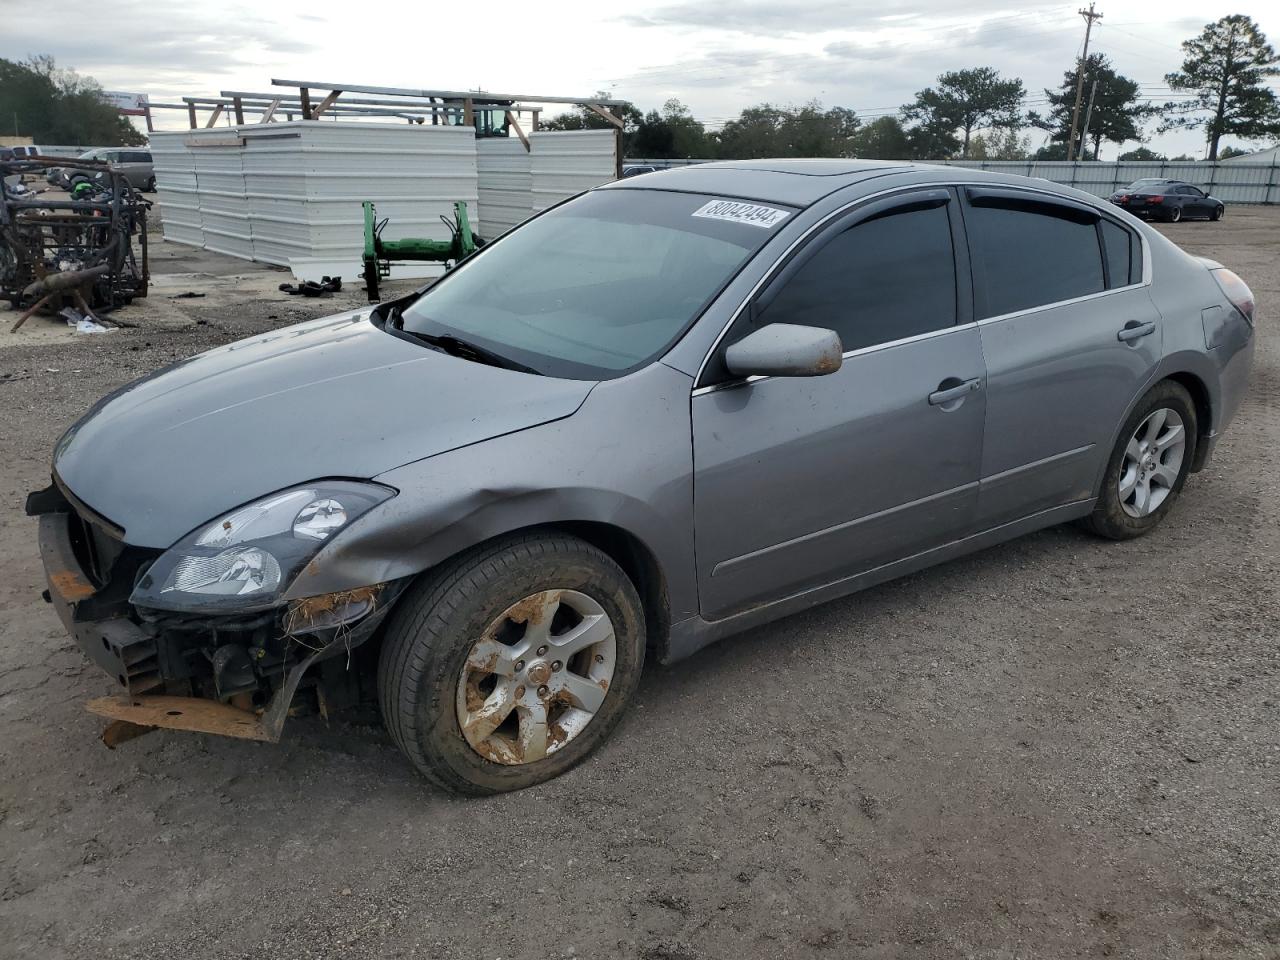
x,y
536,677
1152,462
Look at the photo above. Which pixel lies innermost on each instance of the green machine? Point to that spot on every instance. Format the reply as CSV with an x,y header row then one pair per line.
x,y
380,254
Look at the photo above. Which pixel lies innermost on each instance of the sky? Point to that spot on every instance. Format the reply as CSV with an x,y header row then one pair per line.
x,y
715,56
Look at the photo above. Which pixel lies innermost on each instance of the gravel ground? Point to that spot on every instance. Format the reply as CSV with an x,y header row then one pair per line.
x,y
1059,747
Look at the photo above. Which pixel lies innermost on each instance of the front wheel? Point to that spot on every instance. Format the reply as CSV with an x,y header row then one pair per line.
x,y
1218,214
1149,464
512,664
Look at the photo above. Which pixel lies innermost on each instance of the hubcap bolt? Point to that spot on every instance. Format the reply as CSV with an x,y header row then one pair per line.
x,y
542,691
599,658
556,666
542,651
519,691
519,665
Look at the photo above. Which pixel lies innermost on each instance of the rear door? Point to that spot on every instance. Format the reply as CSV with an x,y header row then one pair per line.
x,y
1071,337
802,482
1199,201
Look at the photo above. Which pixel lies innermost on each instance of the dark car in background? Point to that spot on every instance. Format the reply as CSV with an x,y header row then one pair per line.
x,y
1169,200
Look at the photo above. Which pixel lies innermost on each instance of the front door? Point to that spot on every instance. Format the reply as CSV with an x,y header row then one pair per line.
x,y
1071,337
801,482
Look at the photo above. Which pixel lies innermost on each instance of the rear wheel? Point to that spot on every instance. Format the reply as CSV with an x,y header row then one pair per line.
x,y
1149,464
1175,214
512,664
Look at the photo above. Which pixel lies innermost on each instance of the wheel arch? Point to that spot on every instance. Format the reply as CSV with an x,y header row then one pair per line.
x,y
638,562
1204,412
1195,385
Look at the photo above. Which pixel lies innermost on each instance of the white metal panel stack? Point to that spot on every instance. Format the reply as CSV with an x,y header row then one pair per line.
x,y
505,185
276,194
217,155
176,188
413,174
568,162
291,193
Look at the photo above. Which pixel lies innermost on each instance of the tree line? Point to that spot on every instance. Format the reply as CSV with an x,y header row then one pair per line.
x,y
976,113
973,113
51,105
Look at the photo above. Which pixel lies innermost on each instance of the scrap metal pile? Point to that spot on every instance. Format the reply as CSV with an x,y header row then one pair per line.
x,y
85,249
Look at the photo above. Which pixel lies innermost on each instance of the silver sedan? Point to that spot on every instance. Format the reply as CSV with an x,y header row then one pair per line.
x,y
660,413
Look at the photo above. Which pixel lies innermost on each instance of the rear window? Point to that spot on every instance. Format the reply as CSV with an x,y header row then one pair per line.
x,y
1124,255
600,285
1033,256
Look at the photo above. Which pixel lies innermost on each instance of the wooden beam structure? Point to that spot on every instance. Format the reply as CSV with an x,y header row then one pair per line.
x,y
607,114
270,111
213,118
326,103
515,125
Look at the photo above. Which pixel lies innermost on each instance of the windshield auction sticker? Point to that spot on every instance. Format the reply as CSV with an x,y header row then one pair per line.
x,y
736,212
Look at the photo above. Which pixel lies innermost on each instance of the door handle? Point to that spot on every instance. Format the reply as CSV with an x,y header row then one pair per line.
x,y
1134,329
945,395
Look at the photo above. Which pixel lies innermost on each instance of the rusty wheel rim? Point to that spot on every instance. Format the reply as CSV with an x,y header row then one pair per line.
x,y
537,677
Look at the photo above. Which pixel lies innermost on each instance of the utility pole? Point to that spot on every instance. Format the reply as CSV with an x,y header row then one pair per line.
x,y
1089,17
1088,114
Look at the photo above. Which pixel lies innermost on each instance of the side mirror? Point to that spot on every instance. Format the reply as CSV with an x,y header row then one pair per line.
x,y
785,350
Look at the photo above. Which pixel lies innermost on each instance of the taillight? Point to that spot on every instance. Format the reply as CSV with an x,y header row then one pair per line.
x,y
1237,291
1155,199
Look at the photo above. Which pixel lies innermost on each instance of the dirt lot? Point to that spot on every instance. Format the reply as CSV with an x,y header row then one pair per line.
x,y
1056,748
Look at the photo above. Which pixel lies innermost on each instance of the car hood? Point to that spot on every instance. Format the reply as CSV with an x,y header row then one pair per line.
x,y
337,397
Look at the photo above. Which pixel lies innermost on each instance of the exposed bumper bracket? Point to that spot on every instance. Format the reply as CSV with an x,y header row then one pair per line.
x,y
206,716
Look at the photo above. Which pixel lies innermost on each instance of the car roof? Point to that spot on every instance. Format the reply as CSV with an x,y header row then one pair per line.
x,y
802,183
797,183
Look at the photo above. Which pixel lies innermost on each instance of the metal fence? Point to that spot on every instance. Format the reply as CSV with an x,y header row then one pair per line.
x,y
1233,181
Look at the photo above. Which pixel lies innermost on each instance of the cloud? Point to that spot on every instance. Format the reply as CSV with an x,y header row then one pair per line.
x,y
179,46
856,50
776,18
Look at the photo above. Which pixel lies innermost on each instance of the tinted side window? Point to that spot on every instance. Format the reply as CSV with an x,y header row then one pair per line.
x,y
1029,257
1124,255
880,280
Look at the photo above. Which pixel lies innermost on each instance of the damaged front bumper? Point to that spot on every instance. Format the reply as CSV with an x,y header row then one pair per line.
x,y
230,676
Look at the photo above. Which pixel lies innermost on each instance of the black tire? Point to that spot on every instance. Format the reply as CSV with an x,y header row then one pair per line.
x,y
1109,518
1218,213
150,186
430,633
1175,214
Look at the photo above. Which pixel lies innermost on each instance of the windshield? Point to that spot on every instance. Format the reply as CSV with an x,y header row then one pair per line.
x,y
599,286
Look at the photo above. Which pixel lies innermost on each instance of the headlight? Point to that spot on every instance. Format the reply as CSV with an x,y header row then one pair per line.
x,y
244,560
